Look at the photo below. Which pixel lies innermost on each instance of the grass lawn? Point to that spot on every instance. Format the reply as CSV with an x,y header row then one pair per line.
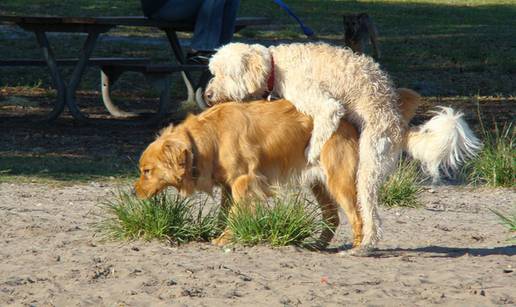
x,y
452,52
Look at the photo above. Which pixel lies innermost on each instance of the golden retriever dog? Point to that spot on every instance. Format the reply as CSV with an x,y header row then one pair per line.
x,y
244,148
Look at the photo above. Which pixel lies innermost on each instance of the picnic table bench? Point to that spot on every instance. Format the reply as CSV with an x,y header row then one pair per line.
x,y
111,67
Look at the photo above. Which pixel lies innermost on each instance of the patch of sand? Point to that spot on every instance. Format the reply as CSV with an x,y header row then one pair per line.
x,y
453,251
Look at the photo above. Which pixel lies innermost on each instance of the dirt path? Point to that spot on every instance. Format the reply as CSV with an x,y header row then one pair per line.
x,y
451,252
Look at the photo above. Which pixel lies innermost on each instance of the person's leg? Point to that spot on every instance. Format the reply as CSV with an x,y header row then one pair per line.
x,y
215,24
208,26
178,10
228,21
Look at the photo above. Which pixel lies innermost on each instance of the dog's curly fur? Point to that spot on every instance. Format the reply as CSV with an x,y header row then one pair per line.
x,y
326,83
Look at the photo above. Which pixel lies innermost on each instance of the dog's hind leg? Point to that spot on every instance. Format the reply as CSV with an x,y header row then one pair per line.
x,y
329,212
379,152
343,189
345,194
339,158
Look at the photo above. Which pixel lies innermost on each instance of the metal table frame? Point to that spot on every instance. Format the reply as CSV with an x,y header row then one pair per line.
x,y
94,27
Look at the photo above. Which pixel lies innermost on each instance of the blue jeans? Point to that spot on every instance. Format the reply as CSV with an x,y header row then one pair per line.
x,y
214,20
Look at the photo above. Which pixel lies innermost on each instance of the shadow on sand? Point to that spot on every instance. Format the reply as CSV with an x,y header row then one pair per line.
x,y
437,251
443,251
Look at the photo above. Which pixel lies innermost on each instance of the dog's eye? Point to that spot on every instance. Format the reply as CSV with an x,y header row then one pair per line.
x,y
146,171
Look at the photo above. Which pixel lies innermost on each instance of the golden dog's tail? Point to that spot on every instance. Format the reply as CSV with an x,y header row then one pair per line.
x,y
442,143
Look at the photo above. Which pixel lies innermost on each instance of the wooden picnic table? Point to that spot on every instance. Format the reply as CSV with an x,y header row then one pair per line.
x,y
94,27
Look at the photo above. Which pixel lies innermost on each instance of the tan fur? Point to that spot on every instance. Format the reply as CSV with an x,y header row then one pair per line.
x,y
409,102
244,148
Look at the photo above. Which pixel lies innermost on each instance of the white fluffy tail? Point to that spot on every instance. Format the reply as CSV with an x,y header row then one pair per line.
x,y
444,142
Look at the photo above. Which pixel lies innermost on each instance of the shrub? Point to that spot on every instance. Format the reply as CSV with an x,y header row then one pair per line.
x,y
163,217
403,186
287,220
495,164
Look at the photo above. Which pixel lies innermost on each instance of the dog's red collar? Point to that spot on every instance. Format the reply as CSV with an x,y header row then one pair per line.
x,y
270,81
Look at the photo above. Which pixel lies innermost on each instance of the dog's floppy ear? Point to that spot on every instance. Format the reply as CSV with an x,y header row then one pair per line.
x,y
257,65
177,156
226,61
236,59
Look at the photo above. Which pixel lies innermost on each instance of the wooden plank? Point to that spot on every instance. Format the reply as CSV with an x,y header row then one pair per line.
x,y
120,21
93,61
169,68
155,68
118,60
48,19
65,27
6,19
177,25
127,64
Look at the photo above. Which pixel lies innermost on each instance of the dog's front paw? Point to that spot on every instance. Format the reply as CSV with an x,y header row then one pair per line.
x,y
223,239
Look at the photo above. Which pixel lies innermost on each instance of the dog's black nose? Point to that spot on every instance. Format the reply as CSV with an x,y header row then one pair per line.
x,y
208,95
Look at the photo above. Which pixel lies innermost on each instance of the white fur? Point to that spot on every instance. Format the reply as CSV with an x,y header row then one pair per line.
x,y
313,174
444,142
326,83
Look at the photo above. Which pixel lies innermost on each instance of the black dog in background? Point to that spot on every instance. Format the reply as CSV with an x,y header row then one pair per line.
x,y
358,29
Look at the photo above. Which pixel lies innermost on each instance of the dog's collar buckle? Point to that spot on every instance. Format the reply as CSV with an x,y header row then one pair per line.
x,y
271,96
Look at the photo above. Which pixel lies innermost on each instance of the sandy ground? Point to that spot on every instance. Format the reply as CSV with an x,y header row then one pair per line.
x,y
451,252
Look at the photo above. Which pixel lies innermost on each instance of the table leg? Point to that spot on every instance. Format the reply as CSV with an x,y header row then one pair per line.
x,y
57,80
178,53
108,77
203,81
78,71
161,82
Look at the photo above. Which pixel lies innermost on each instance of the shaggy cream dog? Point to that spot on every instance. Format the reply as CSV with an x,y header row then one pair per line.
x,y
326,83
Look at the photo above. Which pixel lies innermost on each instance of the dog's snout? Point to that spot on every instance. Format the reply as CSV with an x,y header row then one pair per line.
x,y
208,94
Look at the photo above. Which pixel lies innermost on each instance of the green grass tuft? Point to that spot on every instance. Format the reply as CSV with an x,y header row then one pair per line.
x,y
287,220
163,217
403,186
495,164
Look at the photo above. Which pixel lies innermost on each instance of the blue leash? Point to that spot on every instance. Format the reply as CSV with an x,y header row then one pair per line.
x,y
306,30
